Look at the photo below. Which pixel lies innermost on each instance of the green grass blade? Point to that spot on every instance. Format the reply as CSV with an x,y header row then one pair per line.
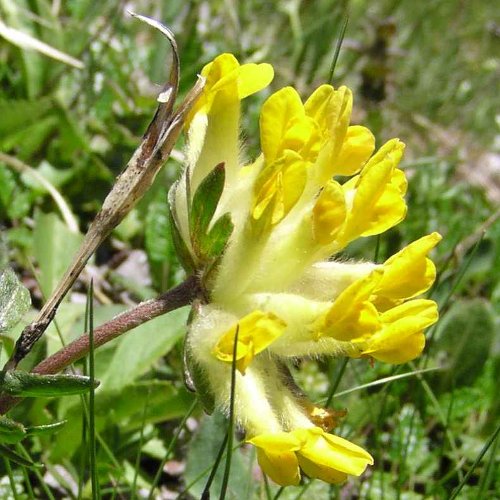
x,y
230,426
183,492
485,448
267,488
27,482
206,491
46,490
11,478
387,380
340,39
443,307
489,471
170,448
443,420
304,489
92,432
335,385
141,442
279,492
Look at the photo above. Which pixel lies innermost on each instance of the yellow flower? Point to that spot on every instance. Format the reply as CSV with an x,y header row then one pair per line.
x,y
319,454
328,214
371,313
277,189
256,331
401,336
262,236
376,195
352,314
227,83
409,272
277,457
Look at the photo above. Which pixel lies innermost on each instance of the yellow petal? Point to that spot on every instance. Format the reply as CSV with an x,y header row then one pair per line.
x,y
377,204
277,114
221,78
399,181
396,350
277,442
331,110
276,456
409,272
392,149
389,210
213,123
401,339
327,474
219,71
332,453
424,311
329,213
302,137
352,315
319,106
357,147
253,77
227,83
282,468
278,188
256,331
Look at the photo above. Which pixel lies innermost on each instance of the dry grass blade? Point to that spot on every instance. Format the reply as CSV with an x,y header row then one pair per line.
x,y
128,189
65,210
386,380
25,41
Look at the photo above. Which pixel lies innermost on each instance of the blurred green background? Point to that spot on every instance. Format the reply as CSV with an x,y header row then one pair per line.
x,y
426,72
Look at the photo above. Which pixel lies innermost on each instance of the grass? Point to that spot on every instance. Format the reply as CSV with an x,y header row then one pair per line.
x,y
422,71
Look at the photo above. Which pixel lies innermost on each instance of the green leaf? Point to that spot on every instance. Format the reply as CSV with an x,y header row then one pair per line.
x,y
157,232
196,380
465,338
17,383
68,314
71,132
14,200
32,137
205,201
16,458
14,299
165,402
4,257
54,246
124,408
34,64
209,244
56,177
214,243
20,114
181,249
11,431
202,453
7,187
137,351
42,430
158,239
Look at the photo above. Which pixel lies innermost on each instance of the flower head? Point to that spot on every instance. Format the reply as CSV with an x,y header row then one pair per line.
x,y
261,235
320,455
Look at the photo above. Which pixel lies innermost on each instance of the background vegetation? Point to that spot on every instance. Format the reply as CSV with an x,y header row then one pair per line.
x,y
426,72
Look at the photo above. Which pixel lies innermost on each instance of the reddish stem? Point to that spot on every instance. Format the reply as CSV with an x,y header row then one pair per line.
x,y
179,296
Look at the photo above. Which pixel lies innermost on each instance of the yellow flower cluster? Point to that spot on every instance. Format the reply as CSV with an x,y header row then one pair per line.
x,y
262,235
